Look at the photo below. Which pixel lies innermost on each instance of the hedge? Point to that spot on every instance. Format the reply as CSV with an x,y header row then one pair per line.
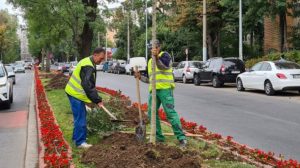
x,y
293,56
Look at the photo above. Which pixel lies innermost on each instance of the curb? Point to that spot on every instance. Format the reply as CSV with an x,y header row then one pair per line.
x,y
31,154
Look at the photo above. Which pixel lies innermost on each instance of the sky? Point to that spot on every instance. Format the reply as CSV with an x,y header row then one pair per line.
x,y
6,6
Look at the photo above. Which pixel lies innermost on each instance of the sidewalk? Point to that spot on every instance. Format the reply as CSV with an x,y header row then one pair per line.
x,y
31,156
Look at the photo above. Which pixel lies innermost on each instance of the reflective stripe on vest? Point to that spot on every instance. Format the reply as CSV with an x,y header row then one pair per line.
x,y
164,78
74,87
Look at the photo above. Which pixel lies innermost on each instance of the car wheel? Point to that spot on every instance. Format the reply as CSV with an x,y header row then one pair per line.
x,y
197,80
184,80
269,90
239,85
216,82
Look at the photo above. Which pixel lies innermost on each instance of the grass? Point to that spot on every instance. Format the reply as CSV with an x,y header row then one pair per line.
x,y
61,107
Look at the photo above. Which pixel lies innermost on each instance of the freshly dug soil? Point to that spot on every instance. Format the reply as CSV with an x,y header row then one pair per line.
x,y
127,113
124,151
58,81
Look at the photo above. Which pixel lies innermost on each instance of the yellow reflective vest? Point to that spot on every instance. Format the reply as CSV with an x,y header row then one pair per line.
x,y
164,78
74,87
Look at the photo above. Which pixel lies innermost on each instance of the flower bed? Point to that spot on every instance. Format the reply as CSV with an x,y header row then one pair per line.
x,y
266,158
53,149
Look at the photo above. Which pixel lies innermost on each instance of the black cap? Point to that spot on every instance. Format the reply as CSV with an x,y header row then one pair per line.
x,y
156,42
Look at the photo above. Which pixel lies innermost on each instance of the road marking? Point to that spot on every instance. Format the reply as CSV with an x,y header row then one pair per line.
x,y
13,119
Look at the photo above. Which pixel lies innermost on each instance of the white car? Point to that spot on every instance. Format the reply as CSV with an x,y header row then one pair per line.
x,y
185,70
19,68
6,88
11,74
140,62
100,67
73,65
271,77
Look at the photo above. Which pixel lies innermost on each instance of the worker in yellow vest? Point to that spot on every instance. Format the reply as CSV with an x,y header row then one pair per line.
x,y
164,93
81,91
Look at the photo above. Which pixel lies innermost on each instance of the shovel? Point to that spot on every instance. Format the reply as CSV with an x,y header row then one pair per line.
x,y
140,130
114,118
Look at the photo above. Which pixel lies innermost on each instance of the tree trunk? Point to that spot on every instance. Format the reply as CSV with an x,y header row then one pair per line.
x,y
48,62
283,32
210,46
86,37
218,43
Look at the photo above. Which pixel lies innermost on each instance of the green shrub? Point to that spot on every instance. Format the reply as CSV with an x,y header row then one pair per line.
x,y
293,56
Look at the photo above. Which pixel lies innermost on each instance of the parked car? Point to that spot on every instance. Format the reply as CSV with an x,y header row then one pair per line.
x,y
66,67
140,62
19,68
119,67
271,77
100,67
111,65
175,64
60,66
185,70
219,71
73,65
6,88
11,74
105,66
28,65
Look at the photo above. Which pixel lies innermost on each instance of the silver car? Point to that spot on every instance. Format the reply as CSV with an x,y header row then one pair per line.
x,y
185,70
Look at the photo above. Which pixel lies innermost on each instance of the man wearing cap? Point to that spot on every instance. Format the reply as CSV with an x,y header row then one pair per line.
x,y
81,91
164,93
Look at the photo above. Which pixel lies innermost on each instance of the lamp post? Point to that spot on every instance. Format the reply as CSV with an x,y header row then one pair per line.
x,y
204,50
240,31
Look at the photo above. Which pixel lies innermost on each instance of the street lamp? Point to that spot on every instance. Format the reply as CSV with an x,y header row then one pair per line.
x,y
240,31
204,50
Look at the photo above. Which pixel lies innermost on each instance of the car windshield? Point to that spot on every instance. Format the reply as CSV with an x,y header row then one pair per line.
x,y
9,68
287,65
195,64
19,66
2,73
231,63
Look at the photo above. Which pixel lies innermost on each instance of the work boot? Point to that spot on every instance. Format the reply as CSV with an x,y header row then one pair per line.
x,y
183,143
85,145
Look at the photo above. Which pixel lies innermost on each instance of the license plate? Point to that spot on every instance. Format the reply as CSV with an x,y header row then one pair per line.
x,y
296,76
235,72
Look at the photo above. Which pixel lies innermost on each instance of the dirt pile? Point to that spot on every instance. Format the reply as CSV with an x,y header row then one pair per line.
x,y
59,81
124,151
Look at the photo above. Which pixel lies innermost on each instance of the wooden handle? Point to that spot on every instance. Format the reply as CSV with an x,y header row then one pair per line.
x,y
109,113
138,92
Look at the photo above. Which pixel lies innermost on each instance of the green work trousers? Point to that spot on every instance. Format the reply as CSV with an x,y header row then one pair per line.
x,y
166,98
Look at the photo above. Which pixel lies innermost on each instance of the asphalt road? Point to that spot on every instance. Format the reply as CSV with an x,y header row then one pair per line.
x,y
13,124
252,118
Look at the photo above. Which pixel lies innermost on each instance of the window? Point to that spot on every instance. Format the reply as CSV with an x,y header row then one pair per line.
x,y
256,67
182,65
207,64
266,67
287,65
2,72
195,64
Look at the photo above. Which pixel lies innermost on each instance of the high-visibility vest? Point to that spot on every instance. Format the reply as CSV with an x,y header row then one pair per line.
x,y
164,78
74,87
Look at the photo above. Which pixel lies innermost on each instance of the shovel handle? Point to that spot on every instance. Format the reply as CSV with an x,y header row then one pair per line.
x,y
109,113
138,94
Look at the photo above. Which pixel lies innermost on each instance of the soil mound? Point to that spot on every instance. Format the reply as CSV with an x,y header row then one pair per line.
x,y
121,150
58,81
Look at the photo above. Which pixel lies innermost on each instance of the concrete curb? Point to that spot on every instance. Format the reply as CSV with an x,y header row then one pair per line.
x,y
31,155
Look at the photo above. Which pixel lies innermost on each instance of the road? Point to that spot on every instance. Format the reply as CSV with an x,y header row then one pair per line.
x,y
13,124
252,118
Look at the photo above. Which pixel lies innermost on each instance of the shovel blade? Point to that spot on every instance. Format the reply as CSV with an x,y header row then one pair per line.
x,y
140,132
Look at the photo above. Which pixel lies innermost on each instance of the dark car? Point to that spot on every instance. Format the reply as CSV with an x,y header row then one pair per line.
x,y
119,68
219,71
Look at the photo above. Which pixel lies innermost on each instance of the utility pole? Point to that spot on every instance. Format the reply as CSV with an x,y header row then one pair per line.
x,y
146,41
153,81
98,39
128,36
106,46
241,32
204,32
